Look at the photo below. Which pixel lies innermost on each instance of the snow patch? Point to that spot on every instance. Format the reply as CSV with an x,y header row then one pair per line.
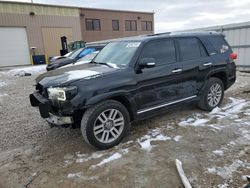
x,y
33,70
81,176
83,157
78,74
2,83
111,158
154,135
193,122
223,185
230,110
218,152
227,171
177,138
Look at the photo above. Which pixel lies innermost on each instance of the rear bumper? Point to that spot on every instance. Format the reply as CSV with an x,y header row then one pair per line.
x,y
45,109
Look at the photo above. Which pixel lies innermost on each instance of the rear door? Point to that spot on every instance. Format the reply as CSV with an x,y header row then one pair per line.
x,y
161,84
195,62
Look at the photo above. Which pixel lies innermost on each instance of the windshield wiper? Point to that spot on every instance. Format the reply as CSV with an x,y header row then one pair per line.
x,y
101,63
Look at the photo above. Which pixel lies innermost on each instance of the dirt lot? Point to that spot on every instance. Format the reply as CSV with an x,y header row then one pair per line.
x,y
213,147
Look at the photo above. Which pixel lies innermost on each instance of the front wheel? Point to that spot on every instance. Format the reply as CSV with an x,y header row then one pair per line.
x,y
212,95
105,124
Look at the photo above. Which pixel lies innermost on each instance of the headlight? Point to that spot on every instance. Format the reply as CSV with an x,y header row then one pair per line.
x,y
62,93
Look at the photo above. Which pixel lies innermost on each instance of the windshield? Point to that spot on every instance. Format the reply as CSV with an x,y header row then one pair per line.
x,y
68,54
89,57
117,53
74,53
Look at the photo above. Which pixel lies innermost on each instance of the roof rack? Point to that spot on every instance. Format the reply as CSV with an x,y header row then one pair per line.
x,y
194,32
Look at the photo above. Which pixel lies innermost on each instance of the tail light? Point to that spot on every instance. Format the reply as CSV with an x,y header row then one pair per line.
x,y
233,56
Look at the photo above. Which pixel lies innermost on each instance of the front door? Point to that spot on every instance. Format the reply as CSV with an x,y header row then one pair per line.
x,y
162,84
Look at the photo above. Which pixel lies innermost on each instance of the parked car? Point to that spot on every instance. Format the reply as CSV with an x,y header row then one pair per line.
x,y
54,58
133,79
86,59
73,57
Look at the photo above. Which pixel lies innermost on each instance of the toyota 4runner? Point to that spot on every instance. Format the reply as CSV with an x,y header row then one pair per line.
x,y
134,78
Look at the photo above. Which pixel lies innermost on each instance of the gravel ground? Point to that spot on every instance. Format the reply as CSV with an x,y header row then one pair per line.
x,y
213,147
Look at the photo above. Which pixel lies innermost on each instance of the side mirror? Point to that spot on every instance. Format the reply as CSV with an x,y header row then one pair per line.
x,y
146,63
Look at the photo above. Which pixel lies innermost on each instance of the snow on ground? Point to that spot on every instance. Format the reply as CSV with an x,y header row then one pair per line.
x,y
226,172
230,110
83,157
177,138
33,70
3,83
81,176
154,135
218,152
111,158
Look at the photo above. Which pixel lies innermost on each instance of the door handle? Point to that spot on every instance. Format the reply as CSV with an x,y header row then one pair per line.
x,y
176,70
207,64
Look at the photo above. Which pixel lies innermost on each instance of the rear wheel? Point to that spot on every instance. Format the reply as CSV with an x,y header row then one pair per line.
x,y
105,124
212,95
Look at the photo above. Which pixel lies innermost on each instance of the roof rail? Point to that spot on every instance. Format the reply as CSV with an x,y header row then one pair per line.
x,y
157,34
194,32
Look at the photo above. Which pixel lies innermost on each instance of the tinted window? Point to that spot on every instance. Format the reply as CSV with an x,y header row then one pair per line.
x,y
86,51
191,48
146,26
162,51
115,25
93,24
130,25
219,44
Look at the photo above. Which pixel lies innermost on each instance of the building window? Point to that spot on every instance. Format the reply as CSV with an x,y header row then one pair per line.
x,y
146,26
93,24
115,25
130,25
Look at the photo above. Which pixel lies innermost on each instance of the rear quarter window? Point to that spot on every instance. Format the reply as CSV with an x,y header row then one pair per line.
x,y
191,48
219,44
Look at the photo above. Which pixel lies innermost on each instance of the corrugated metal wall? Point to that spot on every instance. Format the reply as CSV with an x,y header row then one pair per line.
x,y
238,36
239,39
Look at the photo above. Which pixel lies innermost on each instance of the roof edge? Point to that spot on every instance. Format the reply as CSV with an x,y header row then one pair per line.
x,y
74,7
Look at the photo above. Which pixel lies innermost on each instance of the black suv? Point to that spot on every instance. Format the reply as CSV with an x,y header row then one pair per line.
x,y
134,78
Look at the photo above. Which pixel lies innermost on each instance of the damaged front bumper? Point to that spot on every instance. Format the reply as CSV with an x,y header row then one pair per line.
x,y
45,109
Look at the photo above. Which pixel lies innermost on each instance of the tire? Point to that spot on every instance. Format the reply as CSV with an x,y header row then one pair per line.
x,y
207,99
111,122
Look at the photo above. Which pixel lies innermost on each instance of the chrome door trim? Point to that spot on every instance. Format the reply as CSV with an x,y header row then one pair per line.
x,y
166,104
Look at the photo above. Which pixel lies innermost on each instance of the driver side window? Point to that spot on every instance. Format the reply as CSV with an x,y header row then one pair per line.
x,y
162,51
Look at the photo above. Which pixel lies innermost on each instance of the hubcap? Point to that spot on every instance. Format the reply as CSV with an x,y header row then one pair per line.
x,y
108,125
214,95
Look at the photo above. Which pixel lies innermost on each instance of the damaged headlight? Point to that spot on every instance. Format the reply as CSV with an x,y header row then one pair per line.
x,y
62,93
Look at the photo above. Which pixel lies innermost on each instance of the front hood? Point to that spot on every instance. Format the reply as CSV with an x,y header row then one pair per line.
x,y
69,74
61,61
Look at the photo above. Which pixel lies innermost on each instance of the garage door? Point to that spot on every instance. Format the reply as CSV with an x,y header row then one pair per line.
x,y
52,39
14,49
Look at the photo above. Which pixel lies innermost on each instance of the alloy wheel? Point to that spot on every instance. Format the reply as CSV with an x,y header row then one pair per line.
x,y
108,126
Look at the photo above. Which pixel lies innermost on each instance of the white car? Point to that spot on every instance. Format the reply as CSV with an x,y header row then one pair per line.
x,y
86,59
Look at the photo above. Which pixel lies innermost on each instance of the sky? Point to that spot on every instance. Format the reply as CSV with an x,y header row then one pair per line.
x,y
174,15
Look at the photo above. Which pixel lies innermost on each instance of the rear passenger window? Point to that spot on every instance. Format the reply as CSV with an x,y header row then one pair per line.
x,y
191,48
162,51
219,44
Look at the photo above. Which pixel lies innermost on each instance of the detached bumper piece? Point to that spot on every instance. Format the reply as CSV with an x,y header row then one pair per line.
x,y
38,100
59,120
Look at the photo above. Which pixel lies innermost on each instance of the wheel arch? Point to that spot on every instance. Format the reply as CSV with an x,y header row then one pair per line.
x,y
122,97
220,74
